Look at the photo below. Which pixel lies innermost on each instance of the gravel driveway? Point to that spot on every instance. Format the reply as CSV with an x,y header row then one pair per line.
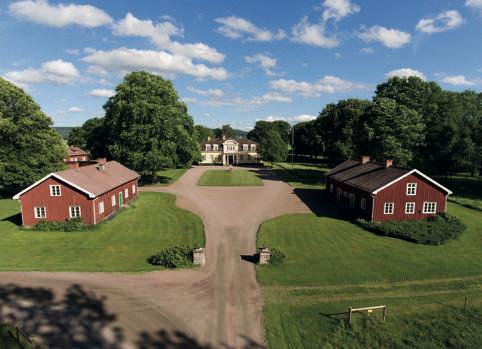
x,y
215,306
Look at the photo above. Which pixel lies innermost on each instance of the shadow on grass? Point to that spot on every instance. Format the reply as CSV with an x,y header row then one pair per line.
x,y
336,317
80,320
15,219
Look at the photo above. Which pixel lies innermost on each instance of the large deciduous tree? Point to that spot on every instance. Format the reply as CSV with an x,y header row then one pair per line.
x,y
92,136
272,148
202,133
261,129
29,147
392,131
149,127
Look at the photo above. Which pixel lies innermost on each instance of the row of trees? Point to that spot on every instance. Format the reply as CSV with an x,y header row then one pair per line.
x,y
414,122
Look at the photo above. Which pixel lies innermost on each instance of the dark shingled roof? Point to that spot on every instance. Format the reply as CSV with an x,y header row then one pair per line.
x,y
221,141
368,177
76,151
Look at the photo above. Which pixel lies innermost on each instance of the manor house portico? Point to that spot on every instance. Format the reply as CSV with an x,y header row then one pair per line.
x,y
229,151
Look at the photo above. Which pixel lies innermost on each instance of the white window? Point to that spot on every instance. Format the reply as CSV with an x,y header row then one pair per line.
x,y
245,147
208,147
74,211
40,212
429,207
411,188
331,188
410,207
215,147
351,197
363,203
133,188
253,147
101,207
126,193
345,194
338,194
388,208
112,200
55,190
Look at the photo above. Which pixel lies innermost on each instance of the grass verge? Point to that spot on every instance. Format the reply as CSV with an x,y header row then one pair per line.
x,y
122,244
226,178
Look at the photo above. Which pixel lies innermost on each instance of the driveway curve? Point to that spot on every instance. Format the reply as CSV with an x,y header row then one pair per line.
x,y
216,306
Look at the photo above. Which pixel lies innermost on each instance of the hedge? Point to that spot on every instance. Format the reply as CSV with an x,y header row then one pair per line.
x,y
435,230
71,225
173,257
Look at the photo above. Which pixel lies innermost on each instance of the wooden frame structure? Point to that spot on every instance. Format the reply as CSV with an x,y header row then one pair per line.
x,y
352,310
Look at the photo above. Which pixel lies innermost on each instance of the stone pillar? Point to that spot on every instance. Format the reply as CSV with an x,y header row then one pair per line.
x,y
199,256
264,255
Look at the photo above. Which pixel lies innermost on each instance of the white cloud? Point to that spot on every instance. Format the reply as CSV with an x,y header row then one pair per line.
x,y
295,119
337,9
212,92
160,34
442,22
327,84
476,4
391,38
57,72
125,60
239,28
61,15
101,92
458,80
271,97
72,51
75,110
312,34
266,62
96,70
405,73
367,50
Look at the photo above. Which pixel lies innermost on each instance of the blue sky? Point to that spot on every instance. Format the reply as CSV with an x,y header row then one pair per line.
x,y
236,61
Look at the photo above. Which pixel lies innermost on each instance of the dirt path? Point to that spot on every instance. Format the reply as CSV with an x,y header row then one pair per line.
x,y
216,306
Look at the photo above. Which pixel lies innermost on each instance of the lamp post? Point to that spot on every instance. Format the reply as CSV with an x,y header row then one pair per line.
x,y
292,145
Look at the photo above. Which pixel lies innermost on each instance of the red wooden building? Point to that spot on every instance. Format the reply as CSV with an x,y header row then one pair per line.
x,y
383,192
92,193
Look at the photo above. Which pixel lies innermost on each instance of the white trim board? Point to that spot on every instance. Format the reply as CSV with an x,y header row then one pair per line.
x,y
408,174
17,196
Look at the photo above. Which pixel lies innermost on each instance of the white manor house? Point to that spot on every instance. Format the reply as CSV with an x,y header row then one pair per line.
x,y
229,151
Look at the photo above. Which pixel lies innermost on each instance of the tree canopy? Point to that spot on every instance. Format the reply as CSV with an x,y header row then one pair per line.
x,y
202,133
29,147
272,148
91,136
148,127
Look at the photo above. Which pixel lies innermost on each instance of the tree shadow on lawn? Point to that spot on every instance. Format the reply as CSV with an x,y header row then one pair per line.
x,y
15,219
81,320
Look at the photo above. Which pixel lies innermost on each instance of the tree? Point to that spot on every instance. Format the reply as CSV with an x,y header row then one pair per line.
x,y
272,148
202,133
283,128
149,127
261,128
308,141
29,147
392,131
92,136
225,130
340,127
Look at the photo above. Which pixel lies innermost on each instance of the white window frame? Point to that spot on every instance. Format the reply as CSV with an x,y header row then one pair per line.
x,y
253,147
52,190
338,194
113,200
351,198
208,147
133,188
411,189
426,205
37,215
126,193
363,203
70,211
387,205
331,188
412,205
101,207
215,147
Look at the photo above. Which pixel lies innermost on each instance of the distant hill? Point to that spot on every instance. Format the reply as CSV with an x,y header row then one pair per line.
x,y
241,133
63,131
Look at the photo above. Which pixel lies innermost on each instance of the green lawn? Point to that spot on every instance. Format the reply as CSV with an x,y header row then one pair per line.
x,y
332,264
168,176
301,175
467,190
228,178
123,243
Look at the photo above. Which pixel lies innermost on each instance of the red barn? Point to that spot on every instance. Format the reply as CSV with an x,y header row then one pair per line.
x,y
76,154
92,193
382,192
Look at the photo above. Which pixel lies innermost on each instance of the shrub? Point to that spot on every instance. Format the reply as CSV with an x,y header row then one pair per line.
x,y
173,257
277,257
71,225
435,230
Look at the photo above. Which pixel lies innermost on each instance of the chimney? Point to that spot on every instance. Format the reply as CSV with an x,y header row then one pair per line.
x,y
73,164
364,159
388,163
209,138
224,137
101,161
